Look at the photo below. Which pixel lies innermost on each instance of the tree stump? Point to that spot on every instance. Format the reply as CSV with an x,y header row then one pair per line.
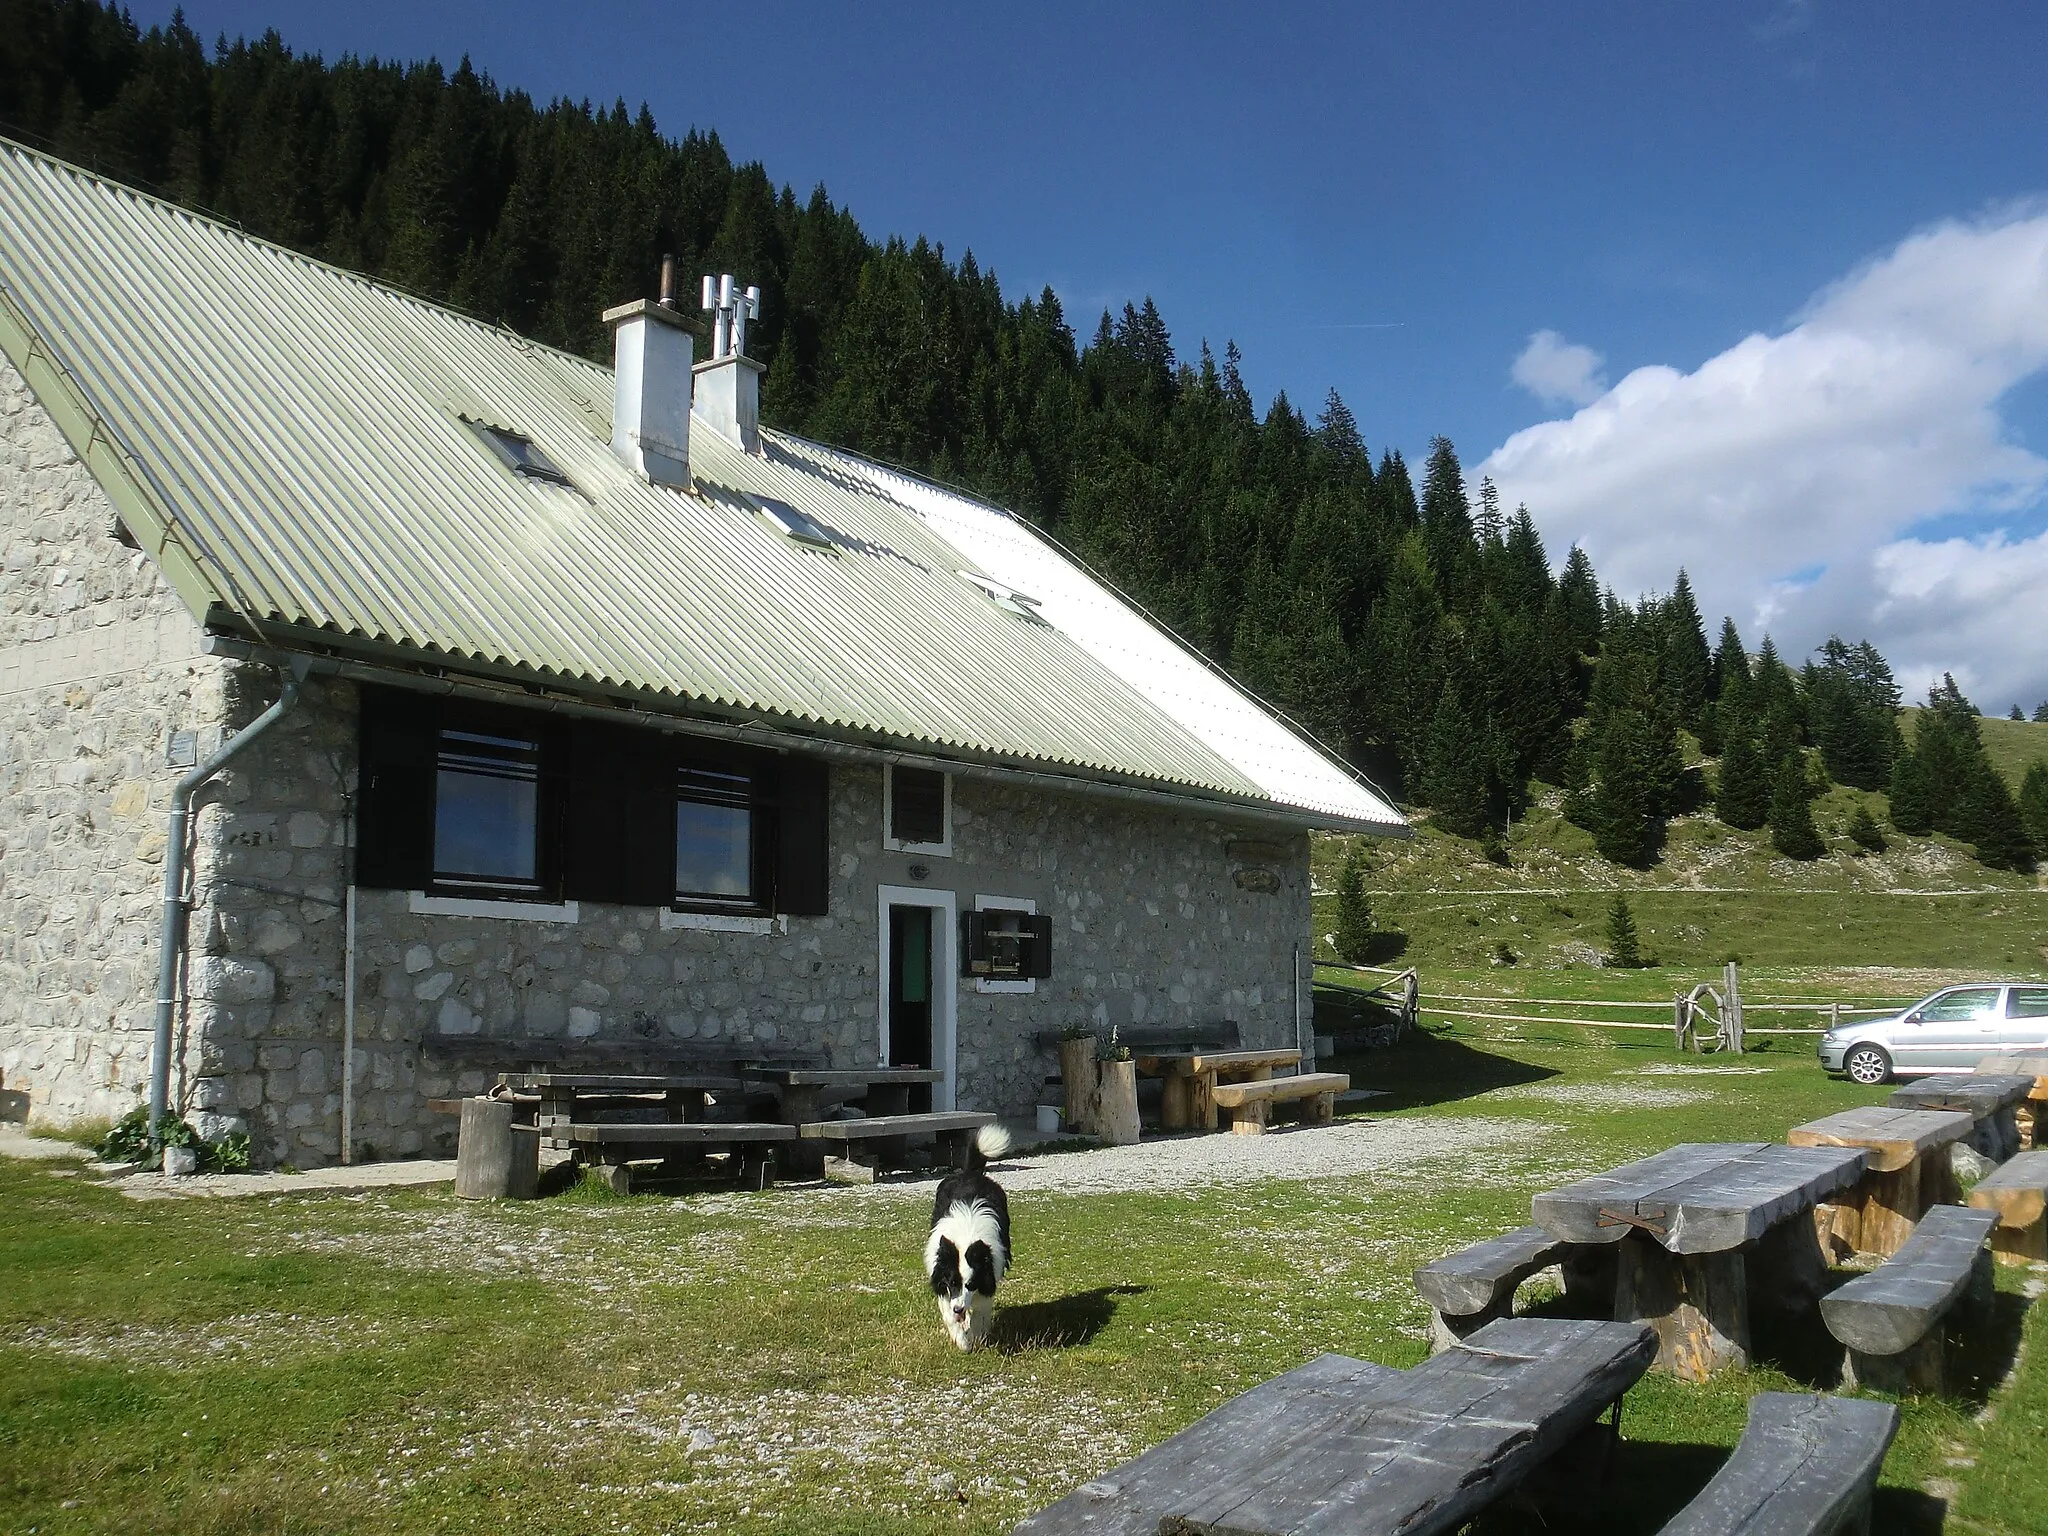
x,y
1116,1103
1697,1302
1078,1084
495,1159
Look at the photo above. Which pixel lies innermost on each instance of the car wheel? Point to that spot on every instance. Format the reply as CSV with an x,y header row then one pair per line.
x,y
1868,1065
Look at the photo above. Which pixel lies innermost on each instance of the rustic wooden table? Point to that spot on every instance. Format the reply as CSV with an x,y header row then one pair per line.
x,y
1187,1096
800,1094
1690,1222
564,1098
2031,1113
1989,1098
1345,1445
1908,1173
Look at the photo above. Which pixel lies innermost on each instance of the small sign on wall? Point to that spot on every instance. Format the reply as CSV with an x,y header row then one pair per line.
x,y
182,751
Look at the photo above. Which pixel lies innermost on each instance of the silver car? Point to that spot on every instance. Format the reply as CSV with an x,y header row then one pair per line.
x,y
1948,1032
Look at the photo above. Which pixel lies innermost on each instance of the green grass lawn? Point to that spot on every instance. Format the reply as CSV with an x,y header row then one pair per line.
x,y
406,1362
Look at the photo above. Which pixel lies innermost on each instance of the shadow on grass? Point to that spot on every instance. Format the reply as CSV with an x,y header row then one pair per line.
x,y
1426,1068
1067,1323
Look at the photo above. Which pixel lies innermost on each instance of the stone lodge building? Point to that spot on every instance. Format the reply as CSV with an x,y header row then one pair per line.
x,y
569,705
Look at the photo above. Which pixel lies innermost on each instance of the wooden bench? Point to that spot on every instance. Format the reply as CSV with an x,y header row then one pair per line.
x,y
1251,1104
1162,1039
1988,1098
1344,1445
1188,1092
612,1148
1892,1318
955,1129
2018,1195
1805,1466
1475,1286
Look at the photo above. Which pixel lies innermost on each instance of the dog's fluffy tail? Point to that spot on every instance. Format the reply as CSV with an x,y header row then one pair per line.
x,y
991,1142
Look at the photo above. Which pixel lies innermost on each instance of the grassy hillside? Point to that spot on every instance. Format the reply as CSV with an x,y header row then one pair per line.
x,y
1923,903
2013,744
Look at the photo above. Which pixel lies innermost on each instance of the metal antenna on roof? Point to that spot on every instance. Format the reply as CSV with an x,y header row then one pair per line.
x,y
731,310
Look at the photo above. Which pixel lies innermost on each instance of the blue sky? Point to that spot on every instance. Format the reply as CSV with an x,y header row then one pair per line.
x,y
1394,201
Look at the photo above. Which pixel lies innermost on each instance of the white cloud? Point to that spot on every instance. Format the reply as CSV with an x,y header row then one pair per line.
x,y
1820,449
1559,372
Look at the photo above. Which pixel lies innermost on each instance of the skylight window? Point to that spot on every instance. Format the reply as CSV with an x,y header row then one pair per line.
x,y
797,524
1006,597
520,453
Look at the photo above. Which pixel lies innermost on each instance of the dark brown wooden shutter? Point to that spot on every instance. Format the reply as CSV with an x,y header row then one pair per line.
x,y
397,748
917,805
619,822
803,845
1038,951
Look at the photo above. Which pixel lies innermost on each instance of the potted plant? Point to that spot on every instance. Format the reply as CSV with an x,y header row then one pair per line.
x,y
1116,1093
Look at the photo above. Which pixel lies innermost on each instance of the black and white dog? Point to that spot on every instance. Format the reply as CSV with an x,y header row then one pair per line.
x,y
969,1247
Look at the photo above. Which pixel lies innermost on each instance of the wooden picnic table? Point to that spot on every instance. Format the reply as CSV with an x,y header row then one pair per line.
x,y
1188,1095
801,1093
1908,1172
2031,1113
566,1099
1688,1221
1987,1097
1346,1445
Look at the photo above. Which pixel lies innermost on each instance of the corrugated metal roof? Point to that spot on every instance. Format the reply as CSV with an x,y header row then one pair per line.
x,y
306,432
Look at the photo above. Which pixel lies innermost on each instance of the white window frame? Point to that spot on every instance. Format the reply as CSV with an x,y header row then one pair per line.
x,y
944,977
422,904
939,850
985,903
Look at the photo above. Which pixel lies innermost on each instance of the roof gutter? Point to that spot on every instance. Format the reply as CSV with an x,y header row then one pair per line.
x,y
768,738
177,905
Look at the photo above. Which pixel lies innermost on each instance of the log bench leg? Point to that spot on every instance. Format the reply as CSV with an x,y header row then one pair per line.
x,y
756,1165
1250,1119
802,1159
2021,1245
1589,1277
1445,1330
1788,1271
1321,1111
1202,1100
1697,1302
615,1176
1879,1214
1914,1371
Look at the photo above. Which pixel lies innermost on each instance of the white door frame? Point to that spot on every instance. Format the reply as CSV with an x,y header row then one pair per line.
x,y
944,978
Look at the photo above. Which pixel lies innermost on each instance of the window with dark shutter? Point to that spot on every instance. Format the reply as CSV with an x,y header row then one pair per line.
x,y
803,853
917,806
619,829
718,848
397,748
487,813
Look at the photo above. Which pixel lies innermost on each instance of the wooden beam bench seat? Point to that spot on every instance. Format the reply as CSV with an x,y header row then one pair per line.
x,y
611,1148
1805,1466
1345,1445
1251,1104
1892,1320
2017,1194
1475,1286
954,1128
1989,1098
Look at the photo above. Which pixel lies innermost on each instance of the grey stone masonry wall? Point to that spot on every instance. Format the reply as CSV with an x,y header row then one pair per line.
x,y
99,663
1152,922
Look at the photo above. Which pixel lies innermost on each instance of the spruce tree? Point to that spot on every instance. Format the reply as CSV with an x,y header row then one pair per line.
x,y
1864,831
1624,949
1988,818
2016,714
2034,803
1687,666
1742,799
1622,811
1912,808
1354,935
1791,817
2041,713
1457,776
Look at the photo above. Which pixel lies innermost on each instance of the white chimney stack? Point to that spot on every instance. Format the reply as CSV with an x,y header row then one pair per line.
x,y
728,395
652,354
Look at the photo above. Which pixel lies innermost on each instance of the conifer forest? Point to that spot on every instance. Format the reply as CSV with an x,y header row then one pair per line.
x,y
1409,620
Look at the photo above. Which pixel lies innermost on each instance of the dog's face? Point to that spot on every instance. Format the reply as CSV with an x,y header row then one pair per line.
x,y
964,1280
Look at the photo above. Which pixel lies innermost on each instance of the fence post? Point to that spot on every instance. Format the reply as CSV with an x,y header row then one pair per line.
x,y
1835,1015
1678,1019
1731,1011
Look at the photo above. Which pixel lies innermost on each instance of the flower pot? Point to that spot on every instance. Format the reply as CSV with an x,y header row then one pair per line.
x,y
1116,1103
180,1161
1048,1119
1077,1082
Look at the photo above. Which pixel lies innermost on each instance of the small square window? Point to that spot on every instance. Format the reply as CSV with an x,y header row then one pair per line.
x,y
798,524
519,453
917,808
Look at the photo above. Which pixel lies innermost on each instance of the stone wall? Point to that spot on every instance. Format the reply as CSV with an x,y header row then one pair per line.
x,y
99,663
1149,925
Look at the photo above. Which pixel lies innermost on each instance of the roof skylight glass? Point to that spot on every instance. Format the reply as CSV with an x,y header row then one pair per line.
x,y
1006,597
520,453
797,524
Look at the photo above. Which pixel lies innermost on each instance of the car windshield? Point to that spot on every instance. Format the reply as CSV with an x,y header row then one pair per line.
x,y
1962,1003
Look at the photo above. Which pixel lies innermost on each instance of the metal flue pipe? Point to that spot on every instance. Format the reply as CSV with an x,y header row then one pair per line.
x,y
170,944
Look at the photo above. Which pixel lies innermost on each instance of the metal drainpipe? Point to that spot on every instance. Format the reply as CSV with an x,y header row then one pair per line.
x,y
171,942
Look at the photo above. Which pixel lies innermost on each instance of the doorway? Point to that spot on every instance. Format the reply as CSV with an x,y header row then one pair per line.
x,y
917,988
